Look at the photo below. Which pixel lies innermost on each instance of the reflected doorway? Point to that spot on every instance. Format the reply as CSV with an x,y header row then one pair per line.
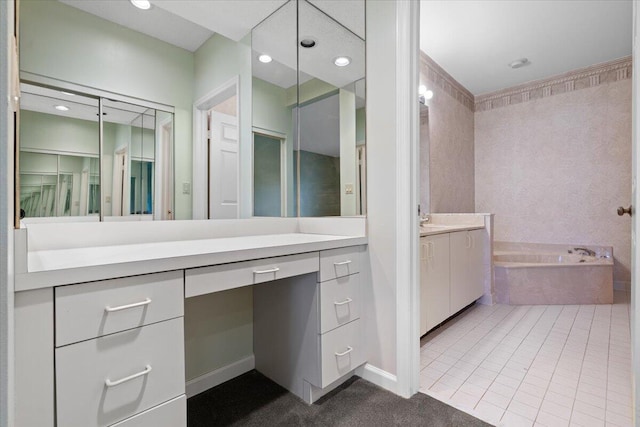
x,y
269,174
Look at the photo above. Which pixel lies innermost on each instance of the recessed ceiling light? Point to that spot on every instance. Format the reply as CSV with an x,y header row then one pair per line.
x,y
342,61
265,58
519,63
61,108
428,94
141,4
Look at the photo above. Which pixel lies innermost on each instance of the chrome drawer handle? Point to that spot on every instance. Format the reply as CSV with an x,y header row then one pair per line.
x,y
347,301
110,383
344,353
124,307
343,262
271,270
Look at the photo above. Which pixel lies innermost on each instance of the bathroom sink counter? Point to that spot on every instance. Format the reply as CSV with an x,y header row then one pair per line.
x,y
431,229
46,265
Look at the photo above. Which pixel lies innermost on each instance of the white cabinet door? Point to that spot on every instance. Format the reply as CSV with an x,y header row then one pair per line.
x,y
434,266
467,281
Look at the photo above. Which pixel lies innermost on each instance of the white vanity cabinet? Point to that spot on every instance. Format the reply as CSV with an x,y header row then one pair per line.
x,y
102,344
467,280
451,274
119,349
308,331
435,279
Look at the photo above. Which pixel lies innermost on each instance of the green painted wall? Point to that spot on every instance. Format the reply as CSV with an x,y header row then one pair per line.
x,y
65,43
360,126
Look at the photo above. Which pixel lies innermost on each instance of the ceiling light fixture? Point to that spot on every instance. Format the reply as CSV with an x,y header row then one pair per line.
x,y
307,43
141,4
342,61
264,58
422,89
518,63
61,108
428,94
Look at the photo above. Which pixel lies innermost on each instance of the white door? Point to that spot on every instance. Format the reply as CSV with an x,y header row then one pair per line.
x,y
224,178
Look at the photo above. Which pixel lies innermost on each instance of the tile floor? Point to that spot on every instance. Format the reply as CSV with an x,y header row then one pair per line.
x,y
542,365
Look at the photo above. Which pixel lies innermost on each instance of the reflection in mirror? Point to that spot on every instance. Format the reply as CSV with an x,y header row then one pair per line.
x,y
330,170
59,148
275,92
127,160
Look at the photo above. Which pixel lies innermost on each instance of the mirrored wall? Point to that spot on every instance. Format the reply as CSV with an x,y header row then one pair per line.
x,y
309,110
269,120
75,162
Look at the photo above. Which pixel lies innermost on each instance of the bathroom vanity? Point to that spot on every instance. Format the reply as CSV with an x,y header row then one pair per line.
x,y
99,326
454,265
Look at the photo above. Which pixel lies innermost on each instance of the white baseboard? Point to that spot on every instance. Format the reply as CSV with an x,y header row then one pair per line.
x,y
621,286
378,377
219,376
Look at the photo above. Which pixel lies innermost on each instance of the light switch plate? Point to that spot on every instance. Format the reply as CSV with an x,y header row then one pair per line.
x,y
348,189
186,188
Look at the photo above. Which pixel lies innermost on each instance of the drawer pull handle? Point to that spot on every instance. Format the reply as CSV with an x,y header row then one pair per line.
x,y
344,353
124,307
271,270
343,262
110,383
347,301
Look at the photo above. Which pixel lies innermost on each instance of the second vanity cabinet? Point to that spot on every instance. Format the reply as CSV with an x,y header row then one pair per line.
x,y
452,275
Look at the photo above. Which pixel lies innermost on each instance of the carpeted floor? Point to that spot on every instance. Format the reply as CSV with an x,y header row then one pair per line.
x,y
254,400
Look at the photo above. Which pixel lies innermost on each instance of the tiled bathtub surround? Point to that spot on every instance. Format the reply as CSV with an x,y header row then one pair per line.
x,y
450,143
544,365
555,168
530,273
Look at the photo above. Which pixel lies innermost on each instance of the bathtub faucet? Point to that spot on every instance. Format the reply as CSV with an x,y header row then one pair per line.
x,y
585,251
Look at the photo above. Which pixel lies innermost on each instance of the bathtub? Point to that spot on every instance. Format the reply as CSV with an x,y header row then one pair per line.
x,y
535,273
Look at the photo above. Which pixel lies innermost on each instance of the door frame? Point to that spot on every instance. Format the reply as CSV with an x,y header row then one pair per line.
x,y
200,185
635,225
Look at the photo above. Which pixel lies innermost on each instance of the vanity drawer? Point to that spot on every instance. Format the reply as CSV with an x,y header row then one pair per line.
x,y
90,310
341,351
218,278
105,380
340,302
170,414
339,262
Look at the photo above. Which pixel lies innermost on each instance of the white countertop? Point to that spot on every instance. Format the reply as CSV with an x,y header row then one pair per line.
x,y
55,267
431,229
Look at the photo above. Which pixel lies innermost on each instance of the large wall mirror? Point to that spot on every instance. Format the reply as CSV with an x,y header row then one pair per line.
x,y
259,113
82,165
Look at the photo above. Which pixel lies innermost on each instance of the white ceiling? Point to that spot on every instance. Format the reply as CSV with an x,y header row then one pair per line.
x,y
474,40
155,22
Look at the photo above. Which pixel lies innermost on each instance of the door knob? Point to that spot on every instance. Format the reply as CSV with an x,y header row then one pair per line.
x,y
622,211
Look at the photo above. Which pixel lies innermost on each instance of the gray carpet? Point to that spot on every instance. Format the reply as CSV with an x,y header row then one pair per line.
x,y
254,400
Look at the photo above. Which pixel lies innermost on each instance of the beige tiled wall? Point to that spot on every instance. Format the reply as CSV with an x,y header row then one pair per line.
x,y
450,131
554,169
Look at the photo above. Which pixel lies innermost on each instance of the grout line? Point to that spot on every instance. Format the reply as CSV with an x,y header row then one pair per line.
x,y
581,365
537,352
558,361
